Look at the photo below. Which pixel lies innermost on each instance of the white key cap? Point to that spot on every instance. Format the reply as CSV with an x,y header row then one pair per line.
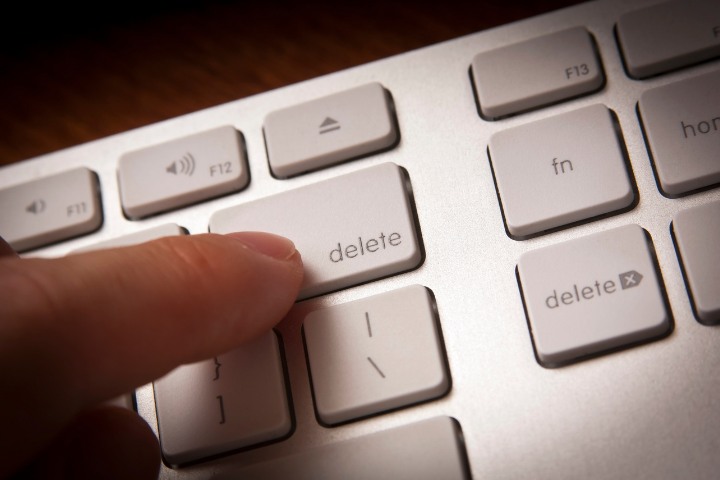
x,y
536,72
329,130
181,172
670,35
50,209
375,354
592,294
697,233
167,230
682,126
560,170
232,401
427,450
350,229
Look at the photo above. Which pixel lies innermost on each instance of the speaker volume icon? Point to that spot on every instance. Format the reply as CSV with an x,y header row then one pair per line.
x,y
185,166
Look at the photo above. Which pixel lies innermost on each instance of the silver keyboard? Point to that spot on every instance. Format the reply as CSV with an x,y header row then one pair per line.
x,y
511,250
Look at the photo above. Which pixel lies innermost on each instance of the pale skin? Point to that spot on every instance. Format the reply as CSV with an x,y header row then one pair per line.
x,y
79,330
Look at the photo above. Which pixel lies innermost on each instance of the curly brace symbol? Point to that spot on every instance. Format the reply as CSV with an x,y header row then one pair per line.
x,y
217,368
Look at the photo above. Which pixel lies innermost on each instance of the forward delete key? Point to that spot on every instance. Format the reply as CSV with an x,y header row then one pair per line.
x,y
591,295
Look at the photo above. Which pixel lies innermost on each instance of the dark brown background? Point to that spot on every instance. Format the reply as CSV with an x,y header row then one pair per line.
x,y
70,74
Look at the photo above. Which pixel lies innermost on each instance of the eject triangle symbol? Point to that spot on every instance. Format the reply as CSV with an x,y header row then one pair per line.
x,y
327,122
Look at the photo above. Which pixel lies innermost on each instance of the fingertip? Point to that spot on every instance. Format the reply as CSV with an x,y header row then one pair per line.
x,y
275,246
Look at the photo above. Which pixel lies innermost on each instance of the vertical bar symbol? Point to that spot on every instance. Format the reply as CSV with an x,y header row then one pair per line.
x,y
367,321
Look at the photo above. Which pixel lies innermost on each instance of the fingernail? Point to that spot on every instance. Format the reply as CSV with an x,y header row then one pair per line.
x,y
275,246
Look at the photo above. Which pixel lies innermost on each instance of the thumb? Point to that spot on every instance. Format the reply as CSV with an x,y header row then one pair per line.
x,y
90,326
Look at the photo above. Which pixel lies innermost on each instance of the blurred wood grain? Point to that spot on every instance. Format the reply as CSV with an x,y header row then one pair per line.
x,y
65,80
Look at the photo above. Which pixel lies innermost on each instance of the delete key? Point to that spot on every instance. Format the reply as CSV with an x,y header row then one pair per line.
x,y
592,295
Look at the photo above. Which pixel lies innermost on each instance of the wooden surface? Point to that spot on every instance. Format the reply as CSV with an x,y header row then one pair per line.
x,y
65,79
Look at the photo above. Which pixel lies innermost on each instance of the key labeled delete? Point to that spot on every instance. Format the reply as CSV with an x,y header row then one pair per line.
x,y
369,245
595,290
592,294
349,229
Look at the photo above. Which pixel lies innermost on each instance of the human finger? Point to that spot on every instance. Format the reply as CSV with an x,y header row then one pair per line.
x,y
90,326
